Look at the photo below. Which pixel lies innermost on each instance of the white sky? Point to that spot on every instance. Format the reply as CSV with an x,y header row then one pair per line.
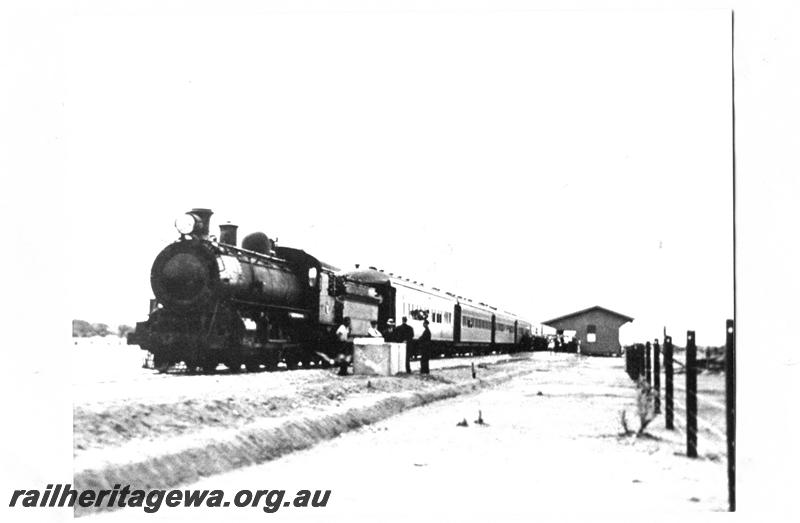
x,y
540,161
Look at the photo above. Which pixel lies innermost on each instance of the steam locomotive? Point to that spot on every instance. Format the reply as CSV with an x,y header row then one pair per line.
x,y
260,304
253,305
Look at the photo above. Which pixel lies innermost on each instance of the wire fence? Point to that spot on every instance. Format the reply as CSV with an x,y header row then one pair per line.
x,y
699,411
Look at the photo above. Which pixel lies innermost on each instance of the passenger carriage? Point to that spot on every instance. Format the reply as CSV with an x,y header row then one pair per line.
x,y
458,325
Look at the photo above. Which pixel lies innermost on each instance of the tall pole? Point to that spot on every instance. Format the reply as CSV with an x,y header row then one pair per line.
x,y
657,374
730,355
691,395
730,407
669,415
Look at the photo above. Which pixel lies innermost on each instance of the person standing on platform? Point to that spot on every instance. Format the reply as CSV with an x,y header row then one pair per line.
x,y
425,348
405,334
373,331
343,332
343,336
389,333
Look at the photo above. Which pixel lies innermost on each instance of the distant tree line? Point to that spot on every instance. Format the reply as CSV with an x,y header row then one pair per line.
x,y
84,329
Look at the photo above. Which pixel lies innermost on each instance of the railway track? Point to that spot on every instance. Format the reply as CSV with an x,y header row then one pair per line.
x,y
104,375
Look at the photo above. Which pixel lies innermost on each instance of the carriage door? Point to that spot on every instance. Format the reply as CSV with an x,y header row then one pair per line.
x,y
516,331
457,323
386,308
494,327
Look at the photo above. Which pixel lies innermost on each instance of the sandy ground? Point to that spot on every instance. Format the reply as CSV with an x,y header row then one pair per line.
x,y
116,401
710,409
551,447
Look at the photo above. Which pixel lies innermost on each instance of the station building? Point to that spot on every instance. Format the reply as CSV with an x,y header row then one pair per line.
x,y
597,328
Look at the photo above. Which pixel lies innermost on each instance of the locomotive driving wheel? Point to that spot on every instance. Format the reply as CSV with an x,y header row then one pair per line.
x,y
225,336
209,362
271,360
161,362
252,364
233,360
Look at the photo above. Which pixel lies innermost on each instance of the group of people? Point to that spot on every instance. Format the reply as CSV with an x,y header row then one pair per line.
x,y
401,334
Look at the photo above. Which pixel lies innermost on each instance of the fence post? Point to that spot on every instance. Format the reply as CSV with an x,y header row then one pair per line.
x,y
657,374
691,395
640,359
668,374
647,365
636,366
730,407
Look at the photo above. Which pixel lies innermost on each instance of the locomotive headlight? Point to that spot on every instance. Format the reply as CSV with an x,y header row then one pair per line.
x,y
186,223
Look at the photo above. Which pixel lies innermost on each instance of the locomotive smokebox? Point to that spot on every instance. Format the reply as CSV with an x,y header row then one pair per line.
x,y
227,233
184,274
204,215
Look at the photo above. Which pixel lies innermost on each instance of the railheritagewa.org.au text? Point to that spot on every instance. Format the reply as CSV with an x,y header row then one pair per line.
x,y
63,495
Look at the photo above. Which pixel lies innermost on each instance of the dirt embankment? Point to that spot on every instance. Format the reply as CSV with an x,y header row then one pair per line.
x,y
149,442
97,427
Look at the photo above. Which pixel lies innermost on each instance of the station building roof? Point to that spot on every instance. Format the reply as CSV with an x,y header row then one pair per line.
x,y
584,311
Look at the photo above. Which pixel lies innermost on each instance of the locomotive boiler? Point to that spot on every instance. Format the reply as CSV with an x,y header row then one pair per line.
x,y
255,304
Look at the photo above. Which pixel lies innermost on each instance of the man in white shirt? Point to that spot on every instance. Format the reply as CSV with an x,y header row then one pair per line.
x,y
343,335
343,332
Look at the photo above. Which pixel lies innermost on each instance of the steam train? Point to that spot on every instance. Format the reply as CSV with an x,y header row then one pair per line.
x,y
260,304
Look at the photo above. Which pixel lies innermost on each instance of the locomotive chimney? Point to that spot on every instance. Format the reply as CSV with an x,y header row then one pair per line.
x,y
227,233
205,218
